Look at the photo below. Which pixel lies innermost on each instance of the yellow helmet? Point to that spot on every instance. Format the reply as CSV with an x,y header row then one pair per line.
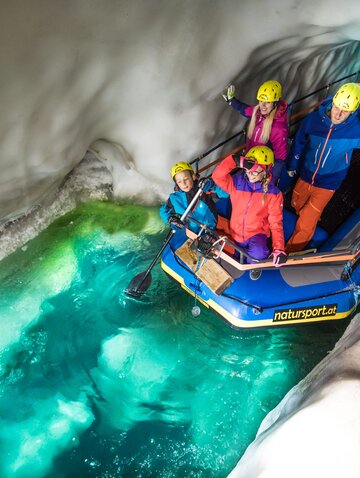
x,y
179,167
269,91
261,155
347,97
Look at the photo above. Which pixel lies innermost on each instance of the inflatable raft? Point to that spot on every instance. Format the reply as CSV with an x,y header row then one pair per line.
x,y
318,285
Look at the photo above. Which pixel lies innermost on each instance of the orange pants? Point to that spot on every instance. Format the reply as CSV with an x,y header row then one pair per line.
x,y
309,202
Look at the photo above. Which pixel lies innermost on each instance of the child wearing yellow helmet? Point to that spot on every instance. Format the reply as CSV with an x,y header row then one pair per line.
x,y
186,186
257,204
268,121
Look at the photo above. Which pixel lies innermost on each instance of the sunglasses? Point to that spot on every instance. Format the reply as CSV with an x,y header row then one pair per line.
x,y
254,173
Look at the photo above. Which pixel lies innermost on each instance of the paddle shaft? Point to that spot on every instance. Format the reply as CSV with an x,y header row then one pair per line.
x,y
167,240
172,232
161,250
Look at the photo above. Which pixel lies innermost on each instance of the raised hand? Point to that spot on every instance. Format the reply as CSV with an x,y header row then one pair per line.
x,y
230,93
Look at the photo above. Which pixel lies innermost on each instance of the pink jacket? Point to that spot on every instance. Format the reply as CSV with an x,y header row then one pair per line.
x,y
279,131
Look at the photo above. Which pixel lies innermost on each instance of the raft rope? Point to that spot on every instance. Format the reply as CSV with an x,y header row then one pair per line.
x,y
200,261
196,311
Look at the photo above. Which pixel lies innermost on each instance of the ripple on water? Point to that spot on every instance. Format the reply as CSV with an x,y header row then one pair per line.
x,y
172,395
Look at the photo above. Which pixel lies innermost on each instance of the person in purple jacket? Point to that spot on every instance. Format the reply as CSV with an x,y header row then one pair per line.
x,y
268,121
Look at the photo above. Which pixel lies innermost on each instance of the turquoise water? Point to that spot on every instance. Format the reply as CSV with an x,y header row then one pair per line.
x,y
96,384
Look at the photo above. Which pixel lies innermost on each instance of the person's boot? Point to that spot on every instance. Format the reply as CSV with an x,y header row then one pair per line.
x,y
255,274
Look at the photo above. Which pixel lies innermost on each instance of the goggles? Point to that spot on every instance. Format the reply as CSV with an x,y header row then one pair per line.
x,y
250,164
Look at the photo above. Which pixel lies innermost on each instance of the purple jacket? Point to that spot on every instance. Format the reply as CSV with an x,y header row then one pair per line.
x,y
251,213
279,131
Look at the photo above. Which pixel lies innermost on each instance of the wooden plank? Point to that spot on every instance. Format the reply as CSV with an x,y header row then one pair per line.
x,y
214,276
187,255
207,270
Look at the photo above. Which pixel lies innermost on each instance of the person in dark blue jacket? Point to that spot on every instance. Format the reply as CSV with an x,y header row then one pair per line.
x,y
185,189
321,153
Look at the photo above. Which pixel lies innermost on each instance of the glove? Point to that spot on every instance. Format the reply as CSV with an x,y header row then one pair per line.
x,y
175,221
236,157
205,184
279,257
230,93
291,173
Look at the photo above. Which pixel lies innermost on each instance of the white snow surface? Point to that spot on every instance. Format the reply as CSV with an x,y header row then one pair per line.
x,y
138,84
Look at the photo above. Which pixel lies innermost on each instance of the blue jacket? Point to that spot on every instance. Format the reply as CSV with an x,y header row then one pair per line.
x,y
322,151
205,210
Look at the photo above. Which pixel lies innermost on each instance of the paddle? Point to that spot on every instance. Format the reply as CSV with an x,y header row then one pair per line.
x,y
141,282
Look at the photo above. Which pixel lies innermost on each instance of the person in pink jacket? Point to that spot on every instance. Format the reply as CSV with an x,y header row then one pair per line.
x,y
268,121
257,204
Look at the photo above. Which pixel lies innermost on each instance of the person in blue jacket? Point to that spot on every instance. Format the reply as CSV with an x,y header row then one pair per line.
x,y
321,153
185,189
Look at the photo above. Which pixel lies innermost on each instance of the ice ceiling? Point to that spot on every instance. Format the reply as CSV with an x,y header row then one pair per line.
x,y
139,82
144,78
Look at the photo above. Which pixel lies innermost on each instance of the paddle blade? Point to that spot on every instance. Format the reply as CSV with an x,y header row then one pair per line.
x,y
139,285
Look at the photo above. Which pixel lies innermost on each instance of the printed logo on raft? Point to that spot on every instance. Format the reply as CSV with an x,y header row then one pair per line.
x,y
317,312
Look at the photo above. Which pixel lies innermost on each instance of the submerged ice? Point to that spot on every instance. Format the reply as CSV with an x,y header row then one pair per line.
x,y
97,382
53,426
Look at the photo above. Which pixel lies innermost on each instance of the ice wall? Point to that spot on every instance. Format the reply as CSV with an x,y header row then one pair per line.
x,y
144,78
138,82
314,431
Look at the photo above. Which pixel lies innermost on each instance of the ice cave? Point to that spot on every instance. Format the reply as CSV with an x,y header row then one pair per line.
x,y
99,98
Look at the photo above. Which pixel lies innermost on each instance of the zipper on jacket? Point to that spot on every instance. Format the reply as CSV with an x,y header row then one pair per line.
x,y
258,128
257,134
321,154
247,209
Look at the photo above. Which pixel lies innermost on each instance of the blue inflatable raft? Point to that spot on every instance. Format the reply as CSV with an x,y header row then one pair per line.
x,y
318,285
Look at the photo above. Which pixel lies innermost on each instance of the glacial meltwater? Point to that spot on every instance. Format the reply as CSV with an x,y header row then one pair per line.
x,y
97,384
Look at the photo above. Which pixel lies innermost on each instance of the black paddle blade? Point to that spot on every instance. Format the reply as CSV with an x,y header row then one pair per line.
x,y
139,285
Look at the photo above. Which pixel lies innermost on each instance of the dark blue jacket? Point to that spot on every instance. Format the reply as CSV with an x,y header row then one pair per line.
x,y
322,151
205,210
